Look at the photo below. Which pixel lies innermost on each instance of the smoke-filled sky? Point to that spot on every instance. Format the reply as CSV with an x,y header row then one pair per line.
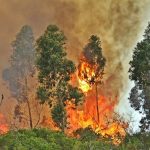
x,y
119,23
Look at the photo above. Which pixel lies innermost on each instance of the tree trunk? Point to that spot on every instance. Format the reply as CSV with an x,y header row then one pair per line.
x,y
28,104
30,116
97,107
63,120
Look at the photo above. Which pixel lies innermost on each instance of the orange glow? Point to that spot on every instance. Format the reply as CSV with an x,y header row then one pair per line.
x,y
3,125
108,125
84,86
86,76
47,122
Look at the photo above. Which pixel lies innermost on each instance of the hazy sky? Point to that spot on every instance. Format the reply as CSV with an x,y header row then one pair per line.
x,y
16,13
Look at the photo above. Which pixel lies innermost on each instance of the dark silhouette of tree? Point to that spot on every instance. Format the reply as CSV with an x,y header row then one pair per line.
x,y
140,73
92,54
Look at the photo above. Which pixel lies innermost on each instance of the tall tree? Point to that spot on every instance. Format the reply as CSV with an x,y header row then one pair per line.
x,y
140,73
22,66
92,54
55,73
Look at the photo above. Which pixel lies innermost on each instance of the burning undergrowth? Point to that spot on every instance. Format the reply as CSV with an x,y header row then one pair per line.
x,y
97,111
3,125
109,125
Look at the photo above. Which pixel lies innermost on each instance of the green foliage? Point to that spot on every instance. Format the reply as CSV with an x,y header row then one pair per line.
x,y
44,139
58,114
86,134
140,73
140,65
54,68
55,73
36,139
75,94
42,94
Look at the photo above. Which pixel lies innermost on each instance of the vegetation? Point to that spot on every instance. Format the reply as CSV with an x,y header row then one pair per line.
x,y
44,139
140,74
21,68
92,53
55,73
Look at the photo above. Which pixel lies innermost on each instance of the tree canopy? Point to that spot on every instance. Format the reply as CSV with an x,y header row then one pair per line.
x,y
55,71
22,62
140,73
92,53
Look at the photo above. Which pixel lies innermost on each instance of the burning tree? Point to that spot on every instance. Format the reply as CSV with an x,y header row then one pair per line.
x,y
91,67
3,125
55,73
90,74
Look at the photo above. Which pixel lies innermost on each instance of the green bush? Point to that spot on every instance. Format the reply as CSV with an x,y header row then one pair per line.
x,y
45,139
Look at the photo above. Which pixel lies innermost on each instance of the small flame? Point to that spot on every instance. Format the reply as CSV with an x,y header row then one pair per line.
x,y
86,76
3,125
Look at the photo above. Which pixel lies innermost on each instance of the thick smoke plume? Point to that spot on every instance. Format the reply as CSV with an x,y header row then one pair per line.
x,y
116,22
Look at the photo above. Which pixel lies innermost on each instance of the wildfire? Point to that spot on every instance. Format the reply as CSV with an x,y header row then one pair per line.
x,y
107,124
47,122
86,76
84,86
3,125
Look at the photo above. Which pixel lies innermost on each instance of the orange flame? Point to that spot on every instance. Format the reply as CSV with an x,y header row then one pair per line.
x,y
3,125
108,125
86,74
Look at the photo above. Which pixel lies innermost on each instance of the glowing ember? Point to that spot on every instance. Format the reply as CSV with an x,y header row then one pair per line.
x,y
3,125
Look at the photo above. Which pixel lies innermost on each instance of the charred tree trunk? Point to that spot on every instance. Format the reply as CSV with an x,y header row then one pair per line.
x,y
97,107
30,115
28,104
1,99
